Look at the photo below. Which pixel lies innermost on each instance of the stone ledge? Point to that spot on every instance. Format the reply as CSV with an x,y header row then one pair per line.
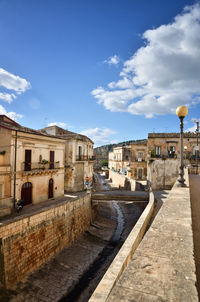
x,y
163,267
125,254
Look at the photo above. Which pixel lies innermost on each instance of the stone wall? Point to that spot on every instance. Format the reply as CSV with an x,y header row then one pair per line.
x,y
121,181
162,173
28,242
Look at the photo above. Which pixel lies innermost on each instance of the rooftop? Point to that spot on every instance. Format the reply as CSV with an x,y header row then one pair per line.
x,y
64,134
10,124
171,135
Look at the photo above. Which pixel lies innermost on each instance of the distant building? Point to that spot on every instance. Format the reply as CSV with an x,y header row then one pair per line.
x,y
31,165
130,160
164,157
79,157
167,145
119,159
138,163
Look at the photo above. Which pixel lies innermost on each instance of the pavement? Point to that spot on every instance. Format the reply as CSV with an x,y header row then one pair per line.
x,y
195,202
162,268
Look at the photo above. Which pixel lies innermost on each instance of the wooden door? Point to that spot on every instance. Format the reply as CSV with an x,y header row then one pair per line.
x,y
26,193
50,194
27,166
51,166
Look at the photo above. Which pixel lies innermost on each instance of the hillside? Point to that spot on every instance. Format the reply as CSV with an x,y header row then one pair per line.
x,y
104,150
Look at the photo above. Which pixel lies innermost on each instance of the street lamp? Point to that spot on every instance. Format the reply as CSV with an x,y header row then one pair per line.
x,y
197,146
185,149
181,112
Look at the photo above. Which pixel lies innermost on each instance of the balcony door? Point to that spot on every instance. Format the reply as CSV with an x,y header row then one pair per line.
x,y
140,173
27,166
79,152
51,160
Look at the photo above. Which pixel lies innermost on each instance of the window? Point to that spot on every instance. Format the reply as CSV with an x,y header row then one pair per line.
x,y
140,155
126,157
171,151
158,150
27,166
51,166
79,152
140,173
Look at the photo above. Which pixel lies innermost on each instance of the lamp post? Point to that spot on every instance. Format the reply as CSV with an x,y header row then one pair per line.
x,y
181,112
185,149
197,146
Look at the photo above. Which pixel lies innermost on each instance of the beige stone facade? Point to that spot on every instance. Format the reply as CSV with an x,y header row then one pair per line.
x,y
138,164
164,157
31,166
79,158
130,160
119,159
167,145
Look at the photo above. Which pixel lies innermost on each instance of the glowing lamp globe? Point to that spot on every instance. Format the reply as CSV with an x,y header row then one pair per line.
x,y
181,111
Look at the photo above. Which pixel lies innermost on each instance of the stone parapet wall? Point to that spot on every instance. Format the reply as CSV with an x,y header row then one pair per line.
x,y
28,242
162,173
120,181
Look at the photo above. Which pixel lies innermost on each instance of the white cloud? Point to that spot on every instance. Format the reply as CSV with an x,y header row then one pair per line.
x,y
13,115
161,75
114,60
59,124
12,83
99,136
194,127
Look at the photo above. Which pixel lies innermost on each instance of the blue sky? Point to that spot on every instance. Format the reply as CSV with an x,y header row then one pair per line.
x,y
111,69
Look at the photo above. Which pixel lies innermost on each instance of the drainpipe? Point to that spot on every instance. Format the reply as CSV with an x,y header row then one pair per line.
x,y
15,162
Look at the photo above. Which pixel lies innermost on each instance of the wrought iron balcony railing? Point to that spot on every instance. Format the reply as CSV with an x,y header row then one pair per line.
x,y
85,158
40,166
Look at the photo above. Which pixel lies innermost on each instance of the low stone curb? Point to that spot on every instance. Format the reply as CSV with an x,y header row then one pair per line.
x,y
125,254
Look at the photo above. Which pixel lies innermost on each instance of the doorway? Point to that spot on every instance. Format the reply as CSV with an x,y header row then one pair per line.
x,y
50,194
26,193
140,173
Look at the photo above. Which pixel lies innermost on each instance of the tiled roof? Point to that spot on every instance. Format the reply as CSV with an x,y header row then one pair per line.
x,y
8,123
65,134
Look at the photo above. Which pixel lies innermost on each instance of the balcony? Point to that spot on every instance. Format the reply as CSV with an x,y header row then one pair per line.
x,y
85,158
39,166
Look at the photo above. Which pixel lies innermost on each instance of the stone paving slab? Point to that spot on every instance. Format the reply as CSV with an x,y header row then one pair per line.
x,y
163,268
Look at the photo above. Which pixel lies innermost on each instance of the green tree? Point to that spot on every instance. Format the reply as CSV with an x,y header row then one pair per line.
x,y
104,163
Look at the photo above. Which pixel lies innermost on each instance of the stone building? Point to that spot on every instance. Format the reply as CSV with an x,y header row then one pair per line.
x,y
138,163
31,165
130,160
167,145
164,156
119,159
79,158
